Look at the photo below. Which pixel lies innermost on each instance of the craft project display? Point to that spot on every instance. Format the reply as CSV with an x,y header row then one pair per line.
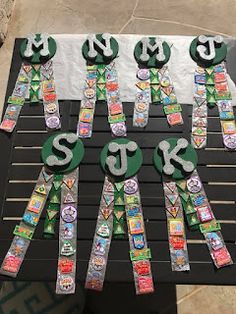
x,y
101,84
154,82
211,89
120,160
176,160
61,155
35,80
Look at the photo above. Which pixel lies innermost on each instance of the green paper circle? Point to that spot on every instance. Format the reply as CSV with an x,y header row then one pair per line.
x,y
221,53
152,62
100,58
134,160
48,149
188,154
37,58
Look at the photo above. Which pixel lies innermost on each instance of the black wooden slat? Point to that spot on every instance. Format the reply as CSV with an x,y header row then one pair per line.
x,y
220,157
101,109
149,140
16,209
148,190
155,230
151,212
121,271
147,173
31,123
119,250
154,125
204,156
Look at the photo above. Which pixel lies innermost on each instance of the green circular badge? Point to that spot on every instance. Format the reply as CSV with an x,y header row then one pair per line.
x,y
215,50
152,52
38,48
175,157
62,152
100,48
121,159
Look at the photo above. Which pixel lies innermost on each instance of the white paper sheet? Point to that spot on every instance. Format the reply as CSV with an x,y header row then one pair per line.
x,y
70,67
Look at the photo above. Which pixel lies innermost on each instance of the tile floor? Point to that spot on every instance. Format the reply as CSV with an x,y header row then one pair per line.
x,y
182,17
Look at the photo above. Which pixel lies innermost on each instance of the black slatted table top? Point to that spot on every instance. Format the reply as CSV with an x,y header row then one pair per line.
x,y
21,164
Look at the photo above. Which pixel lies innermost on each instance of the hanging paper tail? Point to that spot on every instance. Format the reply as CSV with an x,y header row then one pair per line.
x,y
35,84
143,98
155,87
225,108
199,114
66,270
87,105
119,211
140,254
116,116
176,230
168,97
53,207
25,231
200,216
17,99
102,239
50,102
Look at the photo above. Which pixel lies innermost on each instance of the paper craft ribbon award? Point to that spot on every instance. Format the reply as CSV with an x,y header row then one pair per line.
x,y
154,82
101,84
61,154
120,160
176,160
211,89
35,81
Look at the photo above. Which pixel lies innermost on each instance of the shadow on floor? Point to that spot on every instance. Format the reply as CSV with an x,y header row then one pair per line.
x,y
119,298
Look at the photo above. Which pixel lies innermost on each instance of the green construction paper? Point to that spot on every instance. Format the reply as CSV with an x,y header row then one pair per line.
x,y
118,230
101,78
134,160
221,53
37,58
119,197
34,96
210,80
154,77
152,62
101,92
49,223
48,149
100,58
155,95
188,154
188,207
192,219
210,89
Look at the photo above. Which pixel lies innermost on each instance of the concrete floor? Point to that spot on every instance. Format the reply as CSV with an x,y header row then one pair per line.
x,y
182,17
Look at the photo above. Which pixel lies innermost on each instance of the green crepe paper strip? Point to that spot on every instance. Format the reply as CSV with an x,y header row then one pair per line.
x,y
101,82
49,224
119,206
34,92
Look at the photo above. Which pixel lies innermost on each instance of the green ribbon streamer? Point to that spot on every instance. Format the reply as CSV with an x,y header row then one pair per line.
x,y
119,214
53,207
